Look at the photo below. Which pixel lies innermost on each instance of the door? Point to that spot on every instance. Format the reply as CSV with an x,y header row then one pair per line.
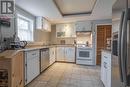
x,y
60,54
103,32
70,54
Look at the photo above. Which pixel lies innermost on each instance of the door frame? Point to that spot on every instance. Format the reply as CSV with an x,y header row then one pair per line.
x,y
96,39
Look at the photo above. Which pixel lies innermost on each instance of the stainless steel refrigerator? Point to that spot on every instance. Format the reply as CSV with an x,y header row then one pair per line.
x,y
121,51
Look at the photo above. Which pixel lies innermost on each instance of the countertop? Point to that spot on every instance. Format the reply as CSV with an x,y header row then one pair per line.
x,y
106,50
89,48
10,53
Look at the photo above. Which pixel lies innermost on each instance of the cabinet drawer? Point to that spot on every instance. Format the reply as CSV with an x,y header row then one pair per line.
x,y
84,62
34,53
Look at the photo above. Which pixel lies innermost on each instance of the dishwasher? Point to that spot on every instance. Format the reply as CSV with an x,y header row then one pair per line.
x,y
44,58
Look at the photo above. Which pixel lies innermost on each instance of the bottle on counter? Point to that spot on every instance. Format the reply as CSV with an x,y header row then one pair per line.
x,y
87,43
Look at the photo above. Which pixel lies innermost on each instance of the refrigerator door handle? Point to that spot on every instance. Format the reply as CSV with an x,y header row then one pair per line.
x,y
124,48
119,46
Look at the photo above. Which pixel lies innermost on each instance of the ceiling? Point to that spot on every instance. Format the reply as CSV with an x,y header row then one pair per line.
x,y
47,8
120,4
78,8
117,9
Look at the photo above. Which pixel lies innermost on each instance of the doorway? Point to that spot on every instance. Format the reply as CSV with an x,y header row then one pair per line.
x,y
103,32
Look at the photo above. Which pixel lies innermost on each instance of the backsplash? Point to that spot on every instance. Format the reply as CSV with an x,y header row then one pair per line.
x,y
83,40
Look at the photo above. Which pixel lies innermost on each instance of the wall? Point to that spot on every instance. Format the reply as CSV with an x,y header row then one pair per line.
x,y
116,17
39,36
8,31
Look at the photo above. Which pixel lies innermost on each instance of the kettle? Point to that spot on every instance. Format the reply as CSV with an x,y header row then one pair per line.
x,y
22,44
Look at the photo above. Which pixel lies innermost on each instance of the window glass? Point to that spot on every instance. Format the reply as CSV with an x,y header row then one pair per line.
x,y
25,28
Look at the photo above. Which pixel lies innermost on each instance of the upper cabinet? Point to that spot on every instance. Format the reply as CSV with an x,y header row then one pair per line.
x,y
43,24
83,26
65,30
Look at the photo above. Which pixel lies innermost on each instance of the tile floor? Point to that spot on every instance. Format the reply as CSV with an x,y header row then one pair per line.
x,y
68,75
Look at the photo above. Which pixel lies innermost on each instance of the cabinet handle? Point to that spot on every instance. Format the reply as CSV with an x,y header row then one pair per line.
x,y
105,57
34,54
105,65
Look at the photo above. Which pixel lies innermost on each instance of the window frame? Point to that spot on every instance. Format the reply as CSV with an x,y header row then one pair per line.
x,y
30,26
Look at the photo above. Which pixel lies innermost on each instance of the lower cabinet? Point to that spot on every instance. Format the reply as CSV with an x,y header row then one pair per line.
x,y
11,71
52,55
60,54
70,54
32,65
106,68
65,54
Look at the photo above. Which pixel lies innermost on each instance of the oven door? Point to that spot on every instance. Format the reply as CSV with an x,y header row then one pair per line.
x,y
84,54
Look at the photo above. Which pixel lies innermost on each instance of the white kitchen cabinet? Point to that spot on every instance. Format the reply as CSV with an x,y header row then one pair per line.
x,y
32,65
106,68
66,54
70,54
43,24
65,30
60,54
52,55
83,26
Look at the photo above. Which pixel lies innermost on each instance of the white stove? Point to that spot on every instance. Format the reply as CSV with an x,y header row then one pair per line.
x,y
84,56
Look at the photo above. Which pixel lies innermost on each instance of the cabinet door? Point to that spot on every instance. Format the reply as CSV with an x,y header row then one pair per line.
x,y
70,30
60,31
70,54
65,30
52,55
17,71
60,54
39,24
83,26
32,68
103,69
106,69
46,25
109,71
